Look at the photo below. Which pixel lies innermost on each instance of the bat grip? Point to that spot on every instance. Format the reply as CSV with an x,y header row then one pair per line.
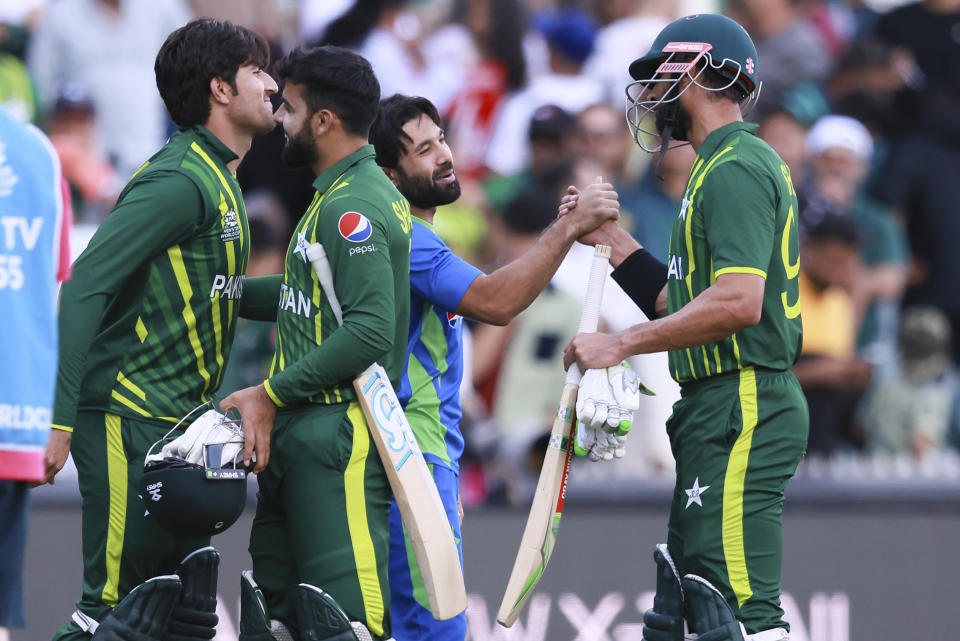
x,y
590,317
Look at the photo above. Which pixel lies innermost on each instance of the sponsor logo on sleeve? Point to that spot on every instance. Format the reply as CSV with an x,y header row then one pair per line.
x,y
355,227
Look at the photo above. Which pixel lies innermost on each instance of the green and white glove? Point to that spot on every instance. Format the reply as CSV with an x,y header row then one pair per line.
x,y
605,405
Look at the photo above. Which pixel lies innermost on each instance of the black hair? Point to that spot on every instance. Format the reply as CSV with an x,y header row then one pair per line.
x,y
336,79
353,27
834,227
387,134
733,90
530,212
195,54
508,20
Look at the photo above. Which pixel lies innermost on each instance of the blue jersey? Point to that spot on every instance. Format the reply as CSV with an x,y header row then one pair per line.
x,y
31,210
430,387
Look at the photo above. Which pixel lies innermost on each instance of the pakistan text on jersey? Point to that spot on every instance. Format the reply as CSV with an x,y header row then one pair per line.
x,y
230,287
675,267
294,300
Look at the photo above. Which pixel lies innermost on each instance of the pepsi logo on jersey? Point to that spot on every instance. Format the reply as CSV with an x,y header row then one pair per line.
x,y
355,227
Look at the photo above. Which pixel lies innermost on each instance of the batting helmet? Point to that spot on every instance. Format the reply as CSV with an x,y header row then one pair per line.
x,y
197,484
689,47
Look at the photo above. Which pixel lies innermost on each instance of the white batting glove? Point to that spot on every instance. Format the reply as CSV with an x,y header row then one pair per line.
x,y
605,405
210,427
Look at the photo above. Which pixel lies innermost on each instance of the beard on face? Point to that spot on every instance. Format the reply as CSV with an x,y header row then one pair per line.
x,y
673,114
425,192
300,150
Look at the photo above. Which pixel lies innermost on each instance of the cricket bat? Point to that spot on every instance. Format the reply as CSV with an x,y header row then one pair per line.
x,y
411,482
543,522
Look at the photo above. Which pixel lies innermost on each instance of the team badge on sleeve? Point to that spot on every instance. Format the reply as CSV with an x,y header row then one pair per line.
x,y
355,227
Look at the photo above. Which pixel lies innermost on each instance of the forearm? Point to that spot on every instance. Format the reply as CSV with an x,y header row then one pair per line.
x,y
498,297
260,297
340,358
713,315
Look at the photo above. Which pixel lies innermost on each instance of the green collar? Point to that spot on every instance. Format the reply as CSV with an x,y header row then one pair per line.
x,y
213,143
422,222
716,137
323,182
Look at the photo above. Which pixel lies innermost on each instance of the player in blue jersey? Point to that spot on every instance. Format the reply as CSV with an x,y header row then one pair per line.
x,y
413,152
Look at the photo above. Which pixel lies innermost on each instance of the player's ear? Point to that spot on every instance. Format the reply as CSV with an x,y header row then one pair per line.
x,y
220,90
392,175
323,121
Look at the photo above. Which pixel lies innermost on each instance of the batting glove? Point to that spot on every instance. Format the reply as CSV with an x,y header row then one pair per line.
x,y
605,405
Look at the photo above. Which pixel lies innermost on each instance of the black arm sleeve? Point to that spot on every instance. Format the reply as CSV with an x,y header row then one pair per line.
x,y
642,277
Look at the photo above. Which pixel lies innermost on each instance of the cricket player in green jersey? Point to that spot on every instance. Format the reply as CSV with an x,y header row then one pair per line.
x,y
726,307
147,321
320,536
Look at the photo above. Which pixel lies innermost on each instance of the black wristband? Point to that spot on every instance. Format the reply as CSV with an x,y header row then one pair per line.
x,y
642,277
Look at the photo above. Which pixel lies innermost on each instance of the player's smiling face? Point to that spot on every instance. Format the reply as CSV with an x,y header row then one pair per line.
x,y
251,106
425,174
294,117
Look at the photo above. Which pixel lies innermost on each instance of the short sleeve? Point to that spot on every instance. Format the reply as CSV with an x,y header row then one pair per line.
x,y
436,273
739,208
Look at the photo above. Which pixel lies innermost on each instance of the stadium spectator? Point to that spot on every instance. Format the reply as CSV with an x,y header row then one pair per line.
x,y
783,131
928,29
790,49
876,84
109,47
570,36
33,257
488,34
629,27
840,151
390,37
918,180
833,378
552,150
912,413
72,128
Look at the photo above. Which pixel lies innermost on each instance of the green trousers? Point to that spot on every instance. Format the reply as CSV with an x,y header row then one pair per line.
x,y
737,440
122,545
322,515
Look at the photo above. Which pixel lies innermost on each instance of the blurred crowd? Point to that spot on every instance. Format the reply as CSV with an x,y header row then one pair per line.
x,y
861,99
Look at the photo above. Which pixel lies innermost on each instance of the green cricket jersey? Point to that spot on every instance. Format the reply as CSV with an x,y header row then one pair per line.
x,y
147,319
364,225
738,215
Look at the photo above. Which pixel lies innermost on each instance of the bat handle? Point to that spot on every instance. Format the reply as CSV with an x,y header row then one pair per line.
x,y
590,317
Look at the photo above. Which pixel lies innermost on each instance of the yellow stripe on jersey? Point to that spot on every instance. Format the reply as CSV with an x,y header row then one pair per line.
x,y
689,220
117,396
273,396
117,519
141,329
130,385
733,549
740,270
364,554
142,167
214,304
231,262
180,271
